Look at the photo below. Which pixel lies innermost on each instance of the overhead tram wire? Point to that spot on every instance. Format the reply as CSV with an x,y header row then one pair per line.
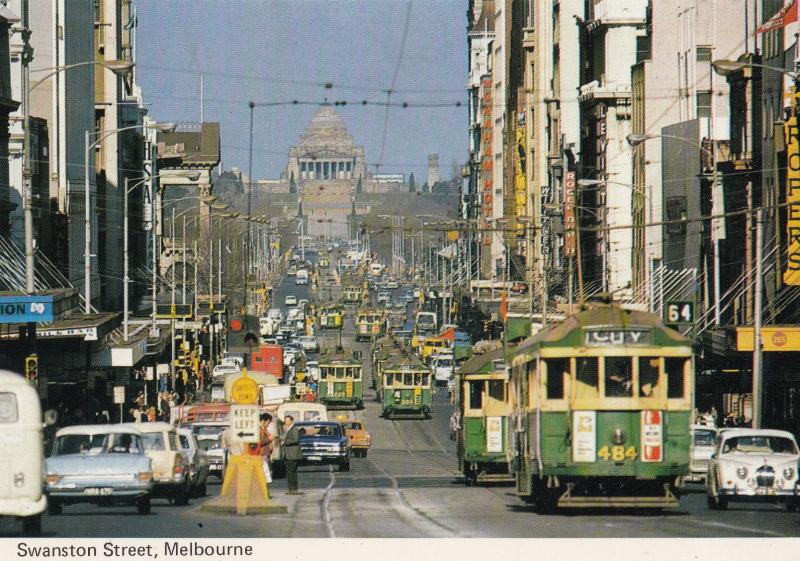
x,y
394,81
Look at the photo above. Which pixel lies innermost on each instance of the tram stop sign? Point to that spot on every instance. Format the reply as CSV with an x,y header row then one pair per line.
x,y
244,390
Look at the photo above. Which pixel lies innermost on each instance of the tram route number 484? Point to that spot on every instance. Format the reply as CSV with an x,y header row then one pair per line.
x,y
679,312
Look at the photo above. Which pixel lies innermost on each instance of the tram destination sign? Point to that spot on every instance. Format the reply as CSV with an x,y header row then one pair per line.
x,y
607,336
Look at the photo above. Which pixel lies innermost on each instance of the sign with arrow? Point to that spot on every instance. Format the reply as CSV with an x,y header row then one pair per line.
x,y
244,423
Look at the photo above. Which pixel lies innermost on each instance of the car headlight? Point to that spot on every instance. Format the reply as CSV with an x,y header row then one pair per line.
x,y
145,475
788,473
53,478
741,472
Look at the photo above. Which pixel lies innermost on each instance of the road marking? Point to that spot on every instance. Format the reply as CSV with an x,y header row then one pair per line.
x,y
404,501
403,438
326,497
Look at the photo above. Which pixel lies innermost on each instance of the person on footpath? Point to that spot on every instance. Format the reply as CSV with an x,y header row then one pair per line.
x,y
291,443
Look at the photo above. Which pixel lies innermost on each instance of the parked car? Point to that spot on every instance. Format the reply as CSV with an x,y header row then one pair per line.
x,y
196,460
703,442
290,300
101,464
170,471
360,439
309,343
324,443
753,465
22,451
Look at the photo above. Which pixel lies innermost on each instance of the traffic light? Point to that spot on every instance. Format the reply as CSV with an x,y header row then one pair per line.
x,y
32,369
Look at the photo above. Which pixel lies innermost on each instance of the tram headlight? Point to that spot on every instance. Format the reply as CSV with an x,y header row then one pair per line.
x,y
619,436
741,472
788,473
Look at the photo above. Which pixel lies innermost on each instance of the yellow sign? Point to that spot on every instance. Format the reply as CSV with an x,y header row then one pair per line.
x,y
774,338
791,275
244,390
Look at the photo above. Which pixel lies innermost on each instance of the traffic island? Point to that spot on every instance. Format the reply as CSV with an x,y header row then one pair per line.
x,y
244,490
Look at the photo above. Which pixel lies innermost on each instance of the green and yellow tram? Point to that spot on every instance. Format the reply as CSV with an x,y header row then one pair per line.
x,y
380,358
352,294
331,317
484,411
605,405
406,388
341,382
370,324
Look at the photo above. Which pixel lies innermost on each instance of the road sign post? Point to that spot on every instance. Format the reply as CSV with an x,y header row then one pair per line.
x,y
244,487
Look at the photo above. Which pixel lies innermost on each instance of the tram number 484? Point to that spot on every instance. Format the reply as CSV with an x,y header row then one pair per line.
x,y
680,312
617,453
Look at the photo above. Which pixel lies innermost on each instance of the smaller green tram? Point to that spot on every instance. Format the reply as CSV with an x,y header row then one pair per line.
x,y
331,317
604,413
341,382
484,410
370,324
406,388
352,294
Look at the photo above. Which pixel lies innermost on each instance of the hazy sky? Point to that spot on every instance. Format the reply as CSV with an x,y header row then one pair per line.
x,y
273,51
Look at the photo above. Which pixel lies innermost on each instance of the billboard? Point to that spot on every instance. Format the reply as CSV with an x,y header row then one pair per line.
x,y
570,233
791,275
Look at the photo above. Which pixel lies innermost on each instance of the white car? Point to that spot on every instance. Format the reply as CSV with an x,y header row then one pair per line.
x,y
290,300
309,343
703,443
312,369
170,470
753,465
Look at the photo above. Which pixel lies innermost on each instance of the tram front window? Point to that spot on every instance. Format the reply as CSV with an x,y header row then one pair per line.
x,y
648,376
619,376
497,389
476,394
674,368
407,379
555,377
586,378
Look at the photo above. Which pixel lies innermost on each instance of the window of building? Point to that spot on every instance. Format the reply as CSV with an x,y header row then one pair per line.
x,y
703,53
326,170
676,211
703,99
619,376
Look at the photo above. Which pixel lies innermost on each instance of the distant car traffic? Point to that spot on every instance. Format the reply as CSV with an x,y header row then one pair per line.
x,y
290,300
309,343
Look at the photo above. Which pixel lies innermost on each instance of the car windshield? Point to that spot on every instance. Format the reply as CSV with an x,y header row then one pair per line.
x,y
353,425
758,444
704,437
93,444
319,429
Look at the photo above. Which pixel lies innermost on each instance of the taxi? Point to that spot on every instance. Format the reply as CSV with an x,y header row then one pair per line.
x,y
360,439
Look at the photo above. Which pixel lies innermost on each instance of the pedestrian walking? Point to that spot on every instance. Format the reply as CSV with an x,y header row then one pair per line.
x,y
291,443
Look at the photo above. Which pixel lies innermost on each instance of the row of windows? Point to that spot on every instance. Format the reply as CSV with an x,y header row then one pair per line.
x,y
406,379
618,376
333,373
480,389
324,170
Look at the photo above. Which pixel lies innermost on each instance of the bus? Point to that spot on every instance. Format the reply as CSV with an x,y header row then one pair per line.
x,y
484,409
424,326
341,382
406,388
370,324
605,408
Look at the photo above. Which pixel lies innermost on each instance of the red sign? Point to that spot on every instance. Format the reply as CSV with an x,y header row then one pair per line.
x,y
652,436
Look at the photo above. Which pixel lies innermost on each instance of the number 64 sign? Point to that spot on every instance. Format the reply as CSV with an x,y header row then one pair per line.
x,y
679,312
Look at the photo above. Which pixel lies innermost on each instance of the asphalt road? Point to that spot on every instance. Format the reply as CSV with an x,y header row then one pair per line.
x,y
408,487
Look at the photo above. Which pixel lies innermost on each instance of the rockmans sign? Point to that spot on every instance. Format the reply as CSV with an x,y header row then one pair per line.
x,y
26,309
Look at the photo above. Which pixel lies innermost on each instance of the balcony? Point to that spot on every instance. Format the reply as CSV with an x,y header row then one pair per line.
x,y
597,90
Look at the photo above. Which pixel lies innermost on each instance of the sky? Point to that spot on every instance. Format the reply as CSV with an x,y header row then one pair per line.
x,y
279,51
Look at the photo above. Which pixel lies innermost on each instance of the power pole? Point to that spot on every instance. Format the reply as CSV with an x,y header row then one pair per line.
x,y
757,366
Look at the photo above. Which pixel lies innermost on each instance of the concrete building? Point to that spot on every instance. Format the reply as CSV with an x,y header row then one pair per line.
x,y
8,104
62,33
612,34
118,105
479,198
683,108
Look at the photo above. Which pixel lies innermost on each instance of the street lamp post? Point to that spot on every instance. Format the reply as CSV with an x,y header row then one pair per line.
x,y
193,176
118,67
87,215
